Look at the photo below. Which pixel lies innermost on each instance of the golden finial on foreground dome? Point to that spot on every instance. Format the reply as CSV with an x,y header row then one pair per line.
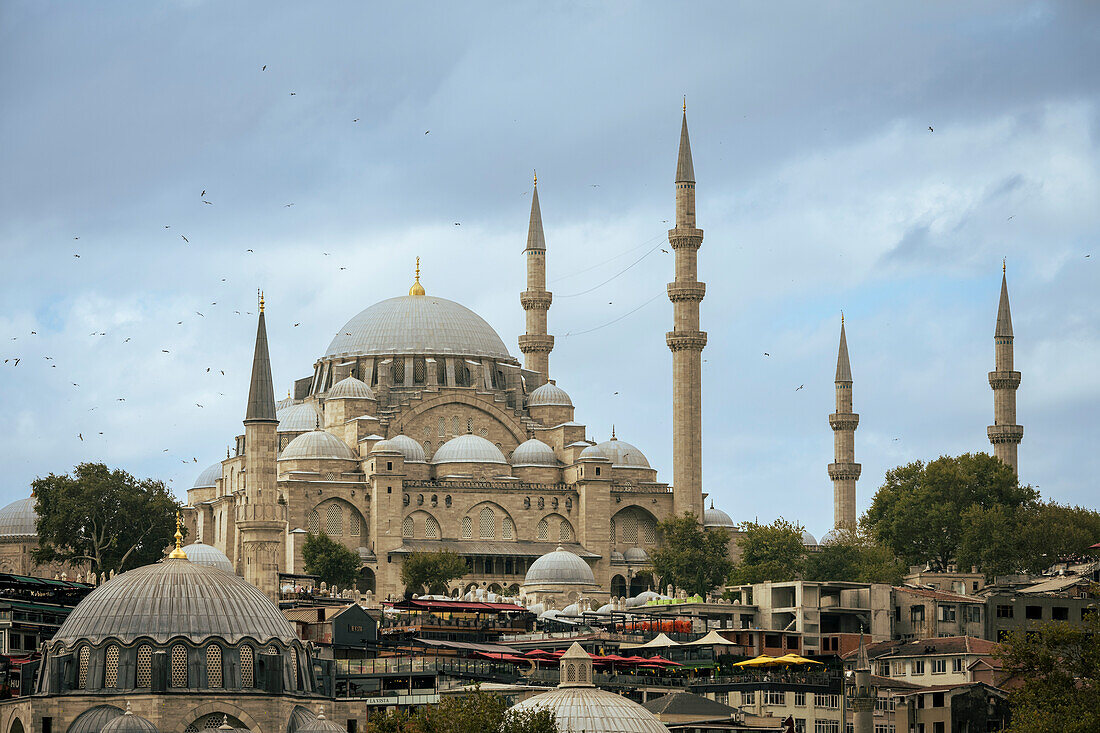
x,y
178,553
417,288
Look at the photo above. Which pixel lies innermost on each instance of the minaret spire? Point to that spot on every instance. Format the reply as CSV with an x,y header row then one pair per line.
x,y
844,471
1004,433
536,344
261,392
686,341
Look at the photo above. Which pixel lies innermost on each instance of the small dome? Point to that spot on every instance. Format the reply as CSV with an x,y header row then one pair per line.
x,y
623,454
203,554
129,723
19,519
560,567
534,453
207,478
573,609
808,539
468,448
320,724
605,610
350,388
593,452
830,537
549,395
636,554
717,518
594,710
413,451
385,446
298,418
317,444
617,557
92,720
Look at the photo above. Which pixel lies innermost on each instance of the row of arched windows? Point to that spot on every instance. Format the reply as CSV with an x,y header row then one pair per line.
x,y
423,525
628,528
178,666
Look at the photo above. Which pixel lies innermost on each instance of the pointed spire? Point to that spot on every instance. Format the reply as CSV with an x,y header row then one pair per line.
x,y
1004,314
261,391
843,367
535,238
685,170
862,661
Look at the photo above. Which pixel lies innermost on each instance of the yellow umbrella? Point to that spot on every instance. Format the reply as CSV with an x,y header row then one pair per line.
x,y
761,661
796,659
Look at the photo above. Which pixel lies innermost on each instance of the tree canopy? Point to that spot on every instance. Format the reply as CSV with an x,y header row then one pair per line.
x,y
479,712
853,556
431,570
103,517
690,557
769,552
329,560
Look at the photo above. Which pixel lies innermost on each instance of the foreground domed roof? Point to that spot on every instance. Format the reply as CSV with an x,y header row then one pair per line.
x,y
413,451
468,448
129,723
209,475
549,395
298,418
636,554
418,324
560,567
171,598
534,453
623,454
203,554
717,518
18,519
592,710
350,388
317,444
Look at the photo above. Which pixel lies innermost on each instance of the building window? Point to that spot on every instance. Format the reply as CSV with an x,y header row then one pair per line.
x,y
918,666
431,528
826,726
82,660
947,613
213,666
916,614
313,522
407,527
939,666
1034,613
144,666
509,530
442,423
334,526
420,370
884,669
294,665
179,666
800,699
441,372
488,524
571,673
110,673
649,531
1004,611
775,697
1059,613
831,702
612,530
799,725
467,528
974,614
542,531
565,532
247,674
937,699
630,530
748,697
957,665
469,425
355,524
397,370
455,425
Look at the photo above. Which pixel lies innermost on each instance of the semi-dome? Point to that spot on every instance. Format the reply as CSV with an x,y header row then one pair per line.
x,y
350,388
413,451
468,448
623,454
19,519
808,539
560,567
175,598
534,453
717,518
317,444
418,324
209,475
636,554
203,554
549,395
298,418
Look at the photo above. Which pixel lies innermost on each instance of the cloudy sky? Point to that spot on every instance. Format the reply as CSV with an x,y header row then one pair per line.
x,y
374,131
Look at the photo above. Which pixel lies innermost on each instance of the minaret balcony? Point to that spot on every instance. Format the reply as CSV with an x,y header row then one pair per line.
x,y
844,421
690,292
1005,433
535,300
535,343
686,340
685,237
1004,380
845,471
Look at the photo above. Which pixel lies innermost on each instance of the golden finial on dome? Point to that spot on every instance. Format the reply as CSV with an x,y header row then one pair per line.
x,y
417,288
178,553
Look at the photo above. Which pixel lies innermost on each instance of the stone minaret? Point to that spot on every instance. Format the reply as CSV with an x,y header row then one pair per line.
x,y
1004,433
686,341
536,344
844,471
261,519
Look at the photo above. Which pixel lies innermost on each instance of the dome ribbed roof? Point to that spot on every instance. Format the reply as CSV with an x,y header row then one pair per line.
x,y
209,475
549,395
636,554
350,388
592,451
129,723
175,597
830,537
717,518
317,444
623,454
92,720
18,519
413,451
203,554
808,539
468,449
560,567
593,710
534,453
298,418
320,724
418,324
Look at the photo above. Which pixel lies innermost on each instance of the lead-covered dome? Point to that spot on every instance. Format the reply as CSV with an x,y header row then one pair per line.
x,y
623,454
534,453
350,388
317,444
175,598
19,519
468,448
560,567
413,451
208,477
549,395
418,324
717,518
298,418
203,554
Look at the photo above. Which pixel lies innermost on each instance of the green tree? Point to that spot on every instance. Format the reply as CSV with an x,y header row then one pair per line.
x,y
922,511
479,712
854,556
103,517
1049,531
769,552
1059,666
690,557
431,570
329,560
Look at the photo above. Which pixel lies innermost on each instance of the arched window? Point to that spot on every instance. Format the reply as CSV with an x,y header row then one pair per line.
x,y
354,524
179,666
313,522
110,671
565,532
649,531
542,532
334,526
247,674
213,665
431,528
455,425
469,425
82,659
612,530
294,665
441,371
442,425
407,527
488,524
398,370
630,530
509,530
571,672
144,666
467,528
420,370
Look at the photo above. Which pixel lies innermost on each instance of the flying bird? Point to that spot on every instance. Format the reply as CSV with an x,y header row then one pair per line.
x,y
297,324
287,206
294,94
930,129
458,224
208,202
166,226
81,436
197,405
127,340
186,239
264,68
355,120
248,250
165,351
77,256
76,237
343,268
203,193
766,354
799,387
664,250
427,131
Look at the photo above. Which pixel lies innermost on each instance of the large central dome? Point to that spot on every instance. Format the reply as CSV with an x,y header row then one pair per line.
x,y
418,324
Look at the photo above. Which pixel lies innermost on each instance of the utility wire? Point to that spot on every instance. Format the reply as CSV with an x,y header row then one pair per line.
x,y
617,274
605,325
604,262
